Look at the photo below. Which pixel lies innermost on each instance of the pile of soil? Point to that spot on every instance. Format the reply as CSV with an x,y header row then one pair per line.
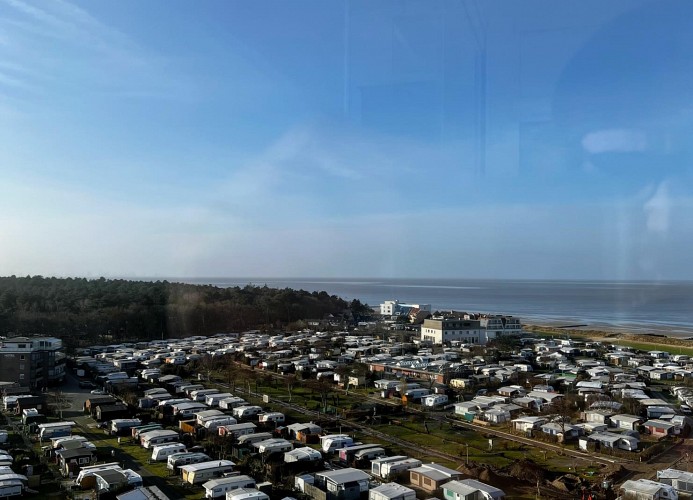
x,y
527,470
567,483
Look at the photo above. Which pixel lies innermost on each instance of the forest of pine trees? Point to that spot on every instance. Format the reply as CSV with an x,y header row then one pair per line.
x,y
128,310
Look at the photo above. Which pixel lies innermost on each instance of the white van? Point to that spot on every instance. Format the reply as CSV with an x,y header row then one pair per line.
x,y
161,452
217,488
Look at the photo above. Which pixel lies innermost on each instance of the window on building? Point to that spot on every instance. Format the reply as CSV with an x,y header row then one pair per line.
x,y
21,346
21,357
21,376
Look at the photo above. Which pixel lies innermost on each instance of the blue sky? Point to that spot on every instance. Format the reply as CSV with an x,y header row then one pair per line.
x,y
346,138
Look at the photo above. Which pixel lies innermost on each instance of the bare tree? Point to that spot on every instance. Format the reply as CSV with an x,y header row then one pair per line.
x,y
323,388
291,382
60,401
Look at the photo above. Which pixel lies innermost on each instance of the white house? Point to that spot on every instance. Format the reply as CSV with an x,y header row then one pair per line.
x,y
527,424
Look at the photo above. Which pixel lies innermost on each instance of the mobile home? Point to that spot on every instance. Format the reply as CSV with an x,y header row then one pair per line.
x,y
188,389
204,471
391,469
214,424
160,453
246,411
153,438
173,401
213,399
346,455
327,375
369,454
156,390
273,445
237,430
178,459
59,442
57,429
202,416
11,488
433,400
122,426
184,410
332,442
231,403
254,438
86,478
246,494
273,417
217,488
201,394
415,395
377,464
135,432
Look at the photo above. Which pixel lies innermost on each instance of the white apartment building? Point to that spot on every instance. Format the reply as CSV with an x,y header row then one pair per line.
x,y
468,328
397,308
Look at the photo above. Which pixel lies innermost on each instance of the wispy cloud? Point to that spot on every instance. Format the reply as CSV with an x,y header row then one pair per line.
x,y
59,47
318,170
615,141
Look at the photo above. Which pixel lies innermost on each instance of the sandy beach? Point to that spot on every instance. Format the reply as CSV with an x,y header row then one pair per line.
x,y
608,333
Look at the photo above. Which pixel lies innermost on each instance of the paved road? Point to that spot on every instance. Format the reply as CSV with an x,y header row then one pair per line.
x,y
74,395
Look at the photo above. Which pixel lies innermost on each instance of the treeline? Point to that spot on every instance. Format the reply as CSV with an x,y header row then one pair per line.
x,y
123,309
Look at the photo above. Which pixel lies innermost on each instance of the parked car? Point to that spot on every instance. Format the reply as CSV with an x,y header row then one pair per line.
x,y
98,391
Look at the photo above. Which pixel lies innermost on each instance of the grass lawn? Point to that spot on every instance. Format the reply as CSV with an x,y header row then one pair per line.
x,y
135,457
654,346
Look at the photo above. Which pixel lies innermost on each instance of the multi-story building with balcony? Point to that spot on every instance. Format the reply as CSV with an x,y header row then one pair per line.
x,y
468,328
34,362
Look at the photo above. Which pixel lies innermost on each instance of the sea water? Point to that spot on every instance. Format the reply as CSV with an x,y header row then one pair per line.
x,y
640,307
